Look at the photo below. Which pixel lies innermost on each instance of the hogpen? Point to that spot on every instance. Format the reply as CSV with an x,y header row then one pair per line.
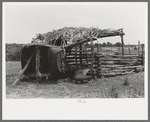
x,y
104,65
79,56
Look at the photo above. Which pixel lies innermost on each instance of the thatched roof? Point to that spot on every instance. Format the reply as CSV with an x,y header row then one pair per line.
x,y
72,35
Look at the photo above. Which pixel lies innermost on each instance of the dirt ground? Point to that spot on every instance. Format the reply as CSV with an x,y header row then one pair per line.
x,y
112,87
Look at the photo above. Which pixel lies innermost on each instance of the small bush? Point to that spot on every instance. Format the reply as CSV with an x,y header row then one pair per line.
x,y
126,82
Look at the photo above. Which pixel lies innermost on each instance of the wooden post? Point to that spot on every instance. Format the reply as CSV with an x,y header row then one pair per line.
x,y
97,48
76,54
122,44
37,68
99,69
92,57
80,55
143,62
129,49
138,47
86,52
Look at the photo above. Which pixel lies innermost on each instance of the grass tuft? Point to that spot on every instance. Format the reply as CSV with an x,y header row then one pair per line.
x,y
114,94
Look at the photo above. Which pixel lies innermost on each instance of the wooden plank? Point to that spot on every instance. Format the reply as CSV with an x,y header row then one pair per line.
x,y
122,56
78,64
118,59
73,57
74,60
130,67
73,51
81,42
105,66
116,53
122,63
120,66
88,55
121,70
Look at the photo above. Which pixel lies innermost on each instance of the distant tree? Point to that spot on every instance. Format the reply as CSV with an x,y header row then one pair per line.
x,y
142,44
109,44
118,44
100,44
13,52
104,44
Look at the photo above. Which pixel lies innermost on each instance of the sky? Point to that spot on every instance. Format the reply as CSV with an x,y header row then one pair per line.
x,y
22,21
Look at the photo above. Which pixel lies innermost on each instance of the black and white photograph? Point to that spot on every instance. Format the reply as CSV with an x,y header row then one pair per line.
x,y
83,54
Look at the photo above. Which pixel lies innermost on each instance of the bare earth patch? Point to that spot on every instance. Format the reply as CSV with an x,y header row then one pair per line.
x,y
112,87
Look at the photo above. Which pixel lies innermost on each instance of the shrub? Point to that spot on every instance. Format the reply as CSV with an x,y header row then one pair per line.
x,y
126,82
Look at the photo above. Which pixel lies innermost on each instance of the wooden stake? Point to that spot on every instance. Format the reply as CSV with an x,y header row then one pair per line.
x,y
86,51
143,62
75,54
80,54
122,44
129,49
138,47
38,74
92,57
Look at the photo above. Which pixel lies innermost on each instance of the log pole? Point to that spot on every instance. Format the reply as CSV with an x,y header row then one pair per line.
x,y
142,55
80,54
97,48
138,47
92,57
86,52
122,44
76,54
22,72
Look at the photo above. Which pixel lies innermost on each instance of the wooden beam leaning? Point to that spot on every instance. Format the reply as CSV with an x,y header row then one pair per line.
x,y
22,72
81,42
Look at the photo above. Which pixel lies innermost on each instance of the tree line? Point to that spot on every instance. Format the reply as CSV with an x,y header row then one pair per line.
x,y
13,51
107,44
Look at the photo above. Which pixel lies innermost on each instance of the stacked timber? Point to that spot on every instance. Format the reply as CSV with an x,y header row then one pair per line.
x,y
120,64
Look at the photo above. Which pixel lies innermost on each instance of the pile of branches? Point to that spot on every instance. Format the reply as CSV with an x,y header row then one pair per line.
x,y
73,35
